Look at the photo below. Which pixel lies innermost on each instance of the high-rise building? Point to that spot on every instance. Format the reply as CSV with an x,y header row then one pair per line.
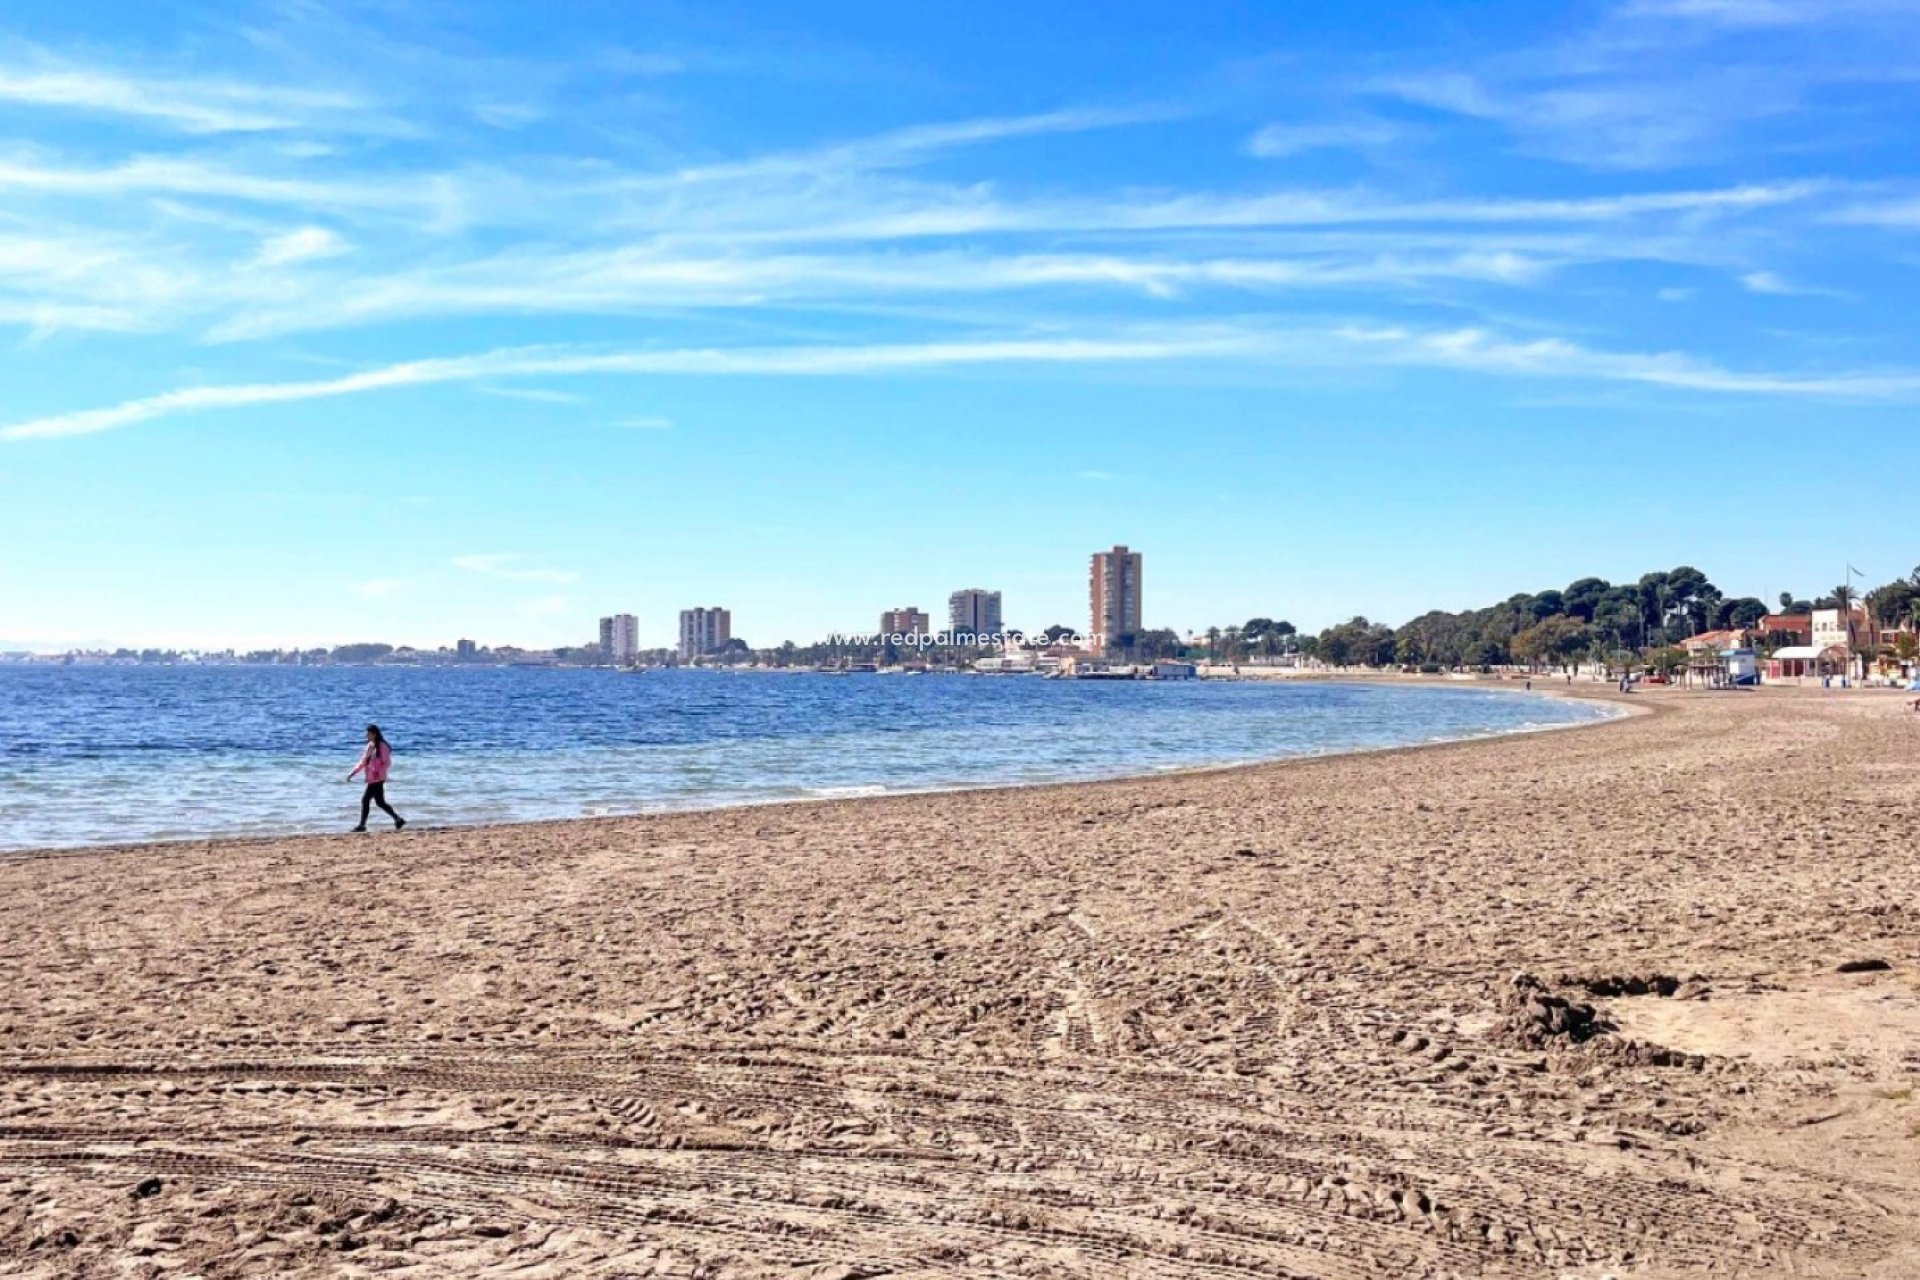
x,y
466,651
974,612
1113,597
620,637
905,621
704,631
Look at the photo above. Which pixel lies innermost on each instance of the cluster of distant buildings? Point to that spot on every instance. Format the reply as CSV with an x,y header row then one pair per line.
x,y
971,611
1823,644
975,618
703,631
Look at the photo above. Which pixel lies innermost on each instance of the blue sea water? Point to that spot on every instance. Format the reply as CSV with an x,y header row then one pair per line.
x,y
92,755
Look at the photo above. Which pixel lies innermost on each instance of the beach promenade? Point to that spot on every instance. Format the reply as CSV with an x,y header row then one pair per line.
x,y
1564,1004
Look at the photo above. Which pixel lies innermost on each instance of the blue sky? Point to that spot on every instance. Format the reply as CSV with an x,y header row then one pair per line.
x,y
326,321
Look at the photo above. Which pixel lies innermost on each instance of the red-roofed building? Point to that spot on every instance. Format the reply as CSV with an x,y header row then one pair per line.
x,y
1799,626
1715,641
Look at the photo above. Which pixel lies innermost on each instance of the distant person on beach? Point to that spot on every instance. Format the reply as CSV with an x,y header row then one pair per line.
x,y
374,763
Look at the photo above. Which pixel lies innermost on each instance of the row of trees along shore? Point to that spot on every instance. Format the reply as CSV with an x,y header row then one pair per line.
x,y
1589,621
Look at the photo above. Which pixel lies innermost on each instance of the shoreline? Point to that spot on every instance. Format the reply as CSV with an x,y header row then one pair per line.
x,y
1618,708
1516,1006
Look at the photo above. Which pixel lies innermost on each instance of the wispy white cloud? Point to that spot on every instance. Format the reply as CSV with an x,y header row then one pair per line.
x,y
813,226
196,238
1479,351
1664,84
1626,121
210,179
909,145
1248,346
308,244
1762,13
1771,282
1892,214
534,395
1277,141
511,568
193,105
801,361
374,588
626,281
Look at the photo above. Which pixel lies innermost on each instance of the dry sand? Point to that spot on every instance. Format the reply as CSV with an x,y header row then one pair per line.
x,y
1255,1023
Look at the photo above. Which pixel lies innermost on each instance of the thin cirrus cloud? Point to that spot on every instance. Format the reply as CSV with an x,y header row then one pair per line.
x,y
1478,351
1388,244
269,215
1267,349
1278,141
1664,84
308,244
215,180
626,281
202,106
602,239
534,395
1761,13
1900,215
778,361
1773,283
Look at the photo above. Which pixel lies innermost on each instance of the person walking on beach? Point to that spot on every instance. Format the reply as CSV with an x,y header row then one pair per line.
x,y
374,763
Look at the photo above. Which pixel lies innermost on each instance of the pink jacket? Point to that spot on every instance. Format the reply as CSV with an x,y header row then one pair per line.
x,y
374,761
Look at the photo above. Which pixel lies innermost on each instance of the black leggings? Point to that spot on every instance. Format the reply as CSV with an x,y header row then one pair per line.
x,y
376,793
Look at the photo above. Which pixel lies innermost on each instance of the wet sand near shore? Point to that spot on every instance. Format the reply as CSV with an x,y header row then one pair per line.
x,y
1636,999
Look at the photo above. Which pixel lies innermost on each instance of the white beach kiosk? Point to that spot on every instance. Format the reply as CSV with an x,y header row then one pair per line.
x,y
1798,661
1742,668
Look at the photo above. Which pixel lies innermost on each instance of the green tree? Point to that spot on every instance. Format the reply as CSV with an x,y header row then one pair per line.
x,y
1582,598
1551,640
1742,612
1889,605
361,652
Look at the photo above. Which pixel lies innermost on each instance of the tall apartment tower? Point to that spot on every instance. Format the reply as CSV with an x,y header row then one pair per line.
x,y
905,621
704,631
1113,597
974,612
620,637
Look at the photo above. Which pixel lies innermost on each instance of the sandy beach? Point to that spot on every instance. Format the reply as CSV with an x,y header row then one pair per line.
x,y
1635,999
